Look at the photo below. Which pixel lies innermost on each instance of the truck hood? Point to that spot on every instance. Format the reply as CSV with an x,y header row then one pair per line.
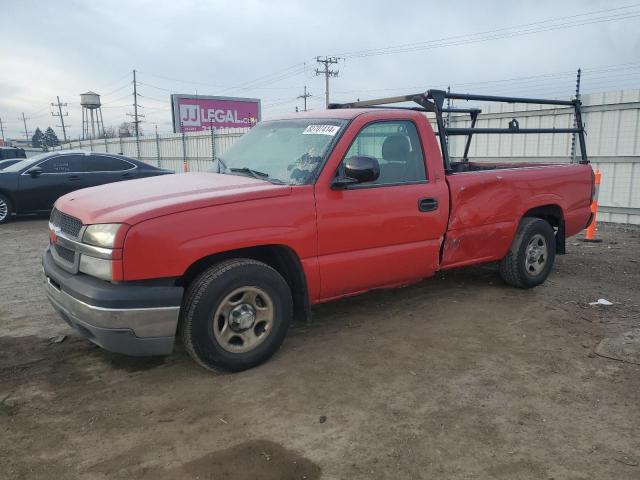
x,y
135,201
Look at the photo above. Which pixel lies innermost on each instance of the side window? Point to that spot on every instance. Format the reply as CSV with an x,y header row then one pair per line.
x,y
61,164
397,148
99,163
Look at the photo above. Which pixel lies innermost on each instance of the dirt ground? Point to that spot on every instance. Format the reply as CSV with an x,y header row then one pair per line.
x,y
457,377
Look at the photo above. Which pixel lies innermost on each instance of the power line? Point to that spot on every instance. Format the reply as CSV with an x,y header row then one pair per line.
x,y
293,70
119,98
182,81
126,75
505,32
326,61
156,87
152,98
116,90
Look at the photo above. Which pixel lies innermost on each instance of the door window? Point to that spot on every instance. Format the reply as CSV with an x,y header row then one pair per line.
x,y
99,163
61,164
396,146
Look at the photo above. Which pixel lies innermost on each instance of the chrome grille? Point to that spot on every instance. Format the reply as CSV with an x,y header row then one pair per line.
x,y
64,253
67,224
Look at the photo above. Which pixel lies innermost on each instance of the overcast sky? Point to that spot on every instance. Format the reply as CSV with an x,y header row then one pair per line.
x,y
66,47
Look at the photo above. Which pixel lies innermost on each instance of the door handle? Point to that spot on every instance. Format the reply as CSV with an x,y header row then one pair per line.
x,y
74,178
427,204
126,175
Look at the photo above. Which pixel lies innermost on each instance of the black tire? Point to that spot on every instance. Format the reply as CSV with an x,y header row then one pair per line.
x,y
522,270
210,292
5,215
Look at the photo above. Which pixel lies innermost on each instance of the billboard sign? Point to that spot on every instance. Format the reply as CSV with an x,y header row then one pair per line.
x,y
192,113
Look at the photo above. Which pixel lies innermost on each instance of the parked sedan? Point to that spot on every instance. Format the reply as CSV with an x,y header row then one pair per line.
x,y
34,184
12,152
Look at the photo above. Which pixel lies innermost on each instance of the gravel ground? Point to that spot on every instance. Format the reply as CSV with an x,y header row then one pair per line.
x,y
456,377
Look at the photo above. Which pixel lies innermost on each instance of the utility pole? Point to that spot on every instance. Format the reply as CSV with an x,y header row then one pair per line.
x,y
575,124
2,130
135,103
136,116
59,114
326,61
304,96
24,120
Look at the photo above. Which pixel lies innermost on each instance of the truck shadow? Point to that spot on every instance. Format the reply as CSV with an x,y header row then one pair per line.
x,y
451,285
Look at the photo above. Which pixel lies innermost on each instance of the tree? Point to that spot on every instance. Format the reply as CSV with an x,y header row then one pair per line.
x,y
37,140
109,132
128,129
125,129
50,138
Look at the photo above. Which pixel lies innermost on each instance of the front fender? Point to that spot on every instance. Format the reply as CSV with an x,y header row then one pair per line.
x,y
166,246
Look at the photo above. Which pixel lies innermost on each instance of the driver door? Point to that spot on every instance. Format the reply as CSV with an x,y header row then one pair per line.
x,y
379,233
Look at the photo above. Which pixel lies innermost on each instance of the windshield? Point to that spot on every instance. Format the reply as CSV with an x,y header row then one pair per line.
x,y
16,167
282,151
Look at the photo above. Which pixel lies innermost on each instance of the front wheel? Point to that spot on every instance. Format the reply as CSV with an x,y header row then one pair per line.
x,y
531,255
236,315
5,209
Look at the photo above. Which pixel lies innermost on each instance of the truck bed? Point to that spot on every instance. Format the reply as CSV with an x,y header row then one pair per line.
x,y
487,201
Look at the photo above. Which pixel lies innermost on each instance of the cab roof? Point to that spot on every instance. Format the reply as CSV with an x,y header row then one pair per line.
x,y
340,113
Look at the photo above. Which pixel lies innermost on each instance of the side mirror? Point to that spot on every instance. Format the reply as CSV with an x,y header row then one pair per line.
x,y
358,169
34,171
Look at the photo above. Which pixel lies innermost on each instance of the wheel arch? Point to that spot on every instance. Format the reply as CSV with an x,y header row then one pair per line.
x,y
280,257
553,214
12,203
5,193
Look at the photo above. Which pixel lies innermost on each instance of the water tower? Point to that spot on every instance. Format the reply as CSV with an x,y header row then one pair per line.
x,y
90,102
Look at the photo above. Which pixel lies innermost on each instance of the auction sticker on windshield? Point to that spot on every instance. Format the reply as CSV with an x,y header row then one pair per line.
x,y
321,130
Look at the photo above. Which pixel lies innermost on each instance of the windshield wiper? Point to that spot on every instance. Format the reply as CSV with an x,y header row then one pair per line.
x,y
258,174
254,173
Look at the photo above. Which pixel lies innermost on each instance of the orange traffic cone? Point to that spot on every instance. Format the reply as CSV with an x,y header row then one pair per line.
x,y
591,229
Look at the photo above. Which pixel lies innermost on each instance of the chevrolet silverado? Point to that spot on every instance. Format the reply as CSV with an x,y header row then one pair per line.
x,y
304,209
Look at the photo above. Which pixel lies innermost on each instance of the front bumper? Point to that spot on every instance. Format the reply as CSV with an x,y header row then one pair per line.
x,y
133,319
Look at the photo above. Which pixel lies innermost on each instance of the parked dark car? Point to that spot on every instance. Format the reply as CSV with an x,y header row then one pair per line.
x,y
34,184
12,152
7,163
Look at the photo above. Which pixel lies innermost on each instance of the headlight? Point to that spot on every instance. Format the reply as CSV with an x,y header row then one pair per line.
x,y
101,235
96,267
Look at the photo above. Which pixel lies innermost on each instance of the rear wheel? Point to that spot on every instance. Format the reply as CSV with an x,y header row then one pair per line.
x,y
236,315
531,254
5,209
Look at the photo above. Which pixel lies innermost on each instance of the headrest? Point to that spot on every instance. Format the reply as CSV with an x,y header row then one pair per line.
x,y
395,148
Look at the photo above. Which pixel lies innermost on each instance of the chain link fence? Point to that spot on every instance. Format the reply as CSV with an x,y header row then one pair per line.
x,y
193,151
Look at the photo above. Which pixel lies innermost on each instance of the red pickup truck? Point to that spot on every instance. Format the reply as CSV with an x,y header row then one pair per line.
x,y
302,210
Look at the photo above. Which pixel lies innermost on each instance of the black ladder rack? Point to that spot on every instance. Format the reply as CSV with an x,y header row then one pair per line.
x,y
433,101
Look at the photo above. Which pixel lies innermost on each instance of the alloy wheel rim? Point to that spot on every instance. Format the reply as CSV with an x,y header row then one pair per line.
x,y
536,255
243,319
4,210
